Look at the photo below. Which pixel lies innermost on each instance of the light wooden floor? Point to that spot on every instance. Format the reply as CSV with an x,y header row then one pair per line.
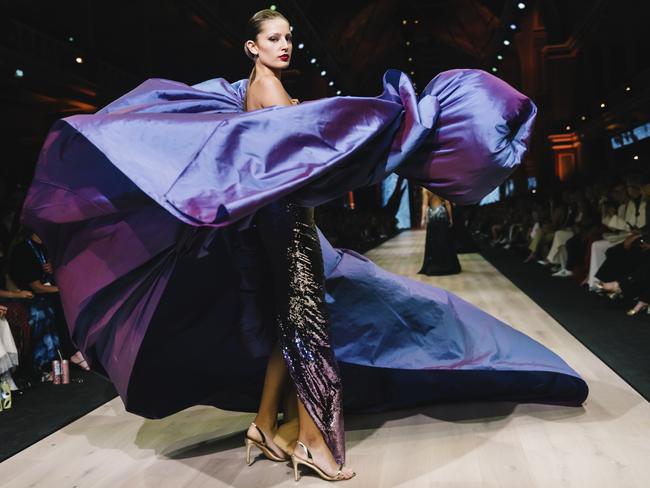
x,y
604,444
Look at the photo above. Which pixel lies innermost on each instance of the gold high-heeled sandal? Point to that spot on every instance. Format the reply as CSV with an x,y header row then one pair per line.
x,y
262,446
309,462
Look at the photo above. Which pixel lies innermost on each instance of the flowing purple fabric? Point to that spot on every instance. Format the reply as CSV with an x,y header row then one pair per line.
x,y
135,204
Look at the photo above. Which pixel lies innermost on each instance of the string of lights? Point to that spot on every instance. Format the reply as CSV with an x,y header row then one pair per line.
x,y
314,61
410,61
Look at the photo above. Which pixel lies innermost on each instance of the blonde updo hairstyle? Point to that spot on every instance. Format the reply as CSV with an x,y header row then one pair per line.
x,y
253,28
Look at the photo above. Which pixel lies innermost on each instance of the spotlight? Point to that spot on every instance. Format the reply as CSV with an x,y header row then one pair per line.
x,y
79,60
331,83
323,73
70,39
627,88
521,5
499,57
291,28
513,26
568,127
301,46
410,60
636,158
408,43
403,21
494,69
506,42
312,60
338,92
583,118
273,7
602,105
19,73
416,21
412,73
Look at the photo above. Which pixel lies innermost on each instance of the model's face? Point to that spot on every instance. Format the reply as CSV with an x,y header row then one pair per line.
x,y
273,44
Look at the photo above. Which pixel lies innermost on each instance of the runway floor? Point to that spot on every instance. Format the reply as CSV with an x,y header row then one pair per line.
x,y
605,443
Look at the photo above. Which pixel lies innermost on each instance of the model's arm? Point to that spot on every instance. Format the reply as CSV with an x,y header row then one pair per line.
x,y
451,217
425,207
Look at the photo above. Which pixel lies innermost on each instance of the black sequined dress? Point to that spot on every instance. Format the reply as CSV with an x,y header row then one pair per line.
x,y
288,235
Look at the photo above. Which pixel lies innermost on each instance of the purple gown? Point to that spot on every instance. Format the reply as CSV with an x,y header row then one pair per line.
x,y
144,207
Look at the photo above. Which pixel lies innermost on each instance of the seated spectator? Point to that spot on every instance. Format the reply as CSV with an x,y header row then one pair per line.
x,y
30,270
635,285
8,352
618,228
622,258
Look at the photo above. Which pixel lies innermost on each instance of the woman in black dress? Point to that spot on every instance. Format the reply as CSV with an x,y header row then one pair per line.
x,y
439,248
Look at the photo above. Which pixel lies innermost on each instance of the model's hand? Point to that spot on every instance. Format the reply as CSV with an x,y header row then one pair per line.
x,y
295,101
3,311
47,267
24,294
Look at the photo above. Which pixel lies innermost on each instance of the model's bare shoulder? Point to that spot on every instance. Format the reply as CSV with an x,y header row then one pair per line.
x,y
268,91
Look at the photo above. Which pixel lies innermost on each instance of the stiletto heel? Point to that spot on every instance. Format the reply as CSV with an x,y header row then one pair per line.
x,y
249,446
262,446
309,462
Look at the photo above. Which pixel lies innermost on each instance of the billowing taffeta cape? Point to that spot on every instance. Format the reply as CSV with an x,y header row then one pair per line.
x,y
137,202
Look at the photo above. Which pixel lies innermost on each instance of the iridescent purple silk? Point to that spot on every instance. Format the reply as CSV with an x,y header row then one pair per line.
x,y
135,204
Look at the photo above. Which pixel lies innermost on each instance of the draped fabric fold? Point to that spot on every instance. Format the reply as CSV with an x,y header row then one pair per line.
x,y
137,202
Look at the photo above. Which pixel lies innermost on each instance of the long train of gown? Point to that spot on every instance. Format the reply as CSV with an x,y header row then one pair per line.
x,y
145,206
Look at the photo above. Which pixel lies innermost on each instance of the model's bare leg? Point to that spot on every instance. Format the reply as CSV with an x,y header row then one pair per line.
x,y
287,434
275,383
311,437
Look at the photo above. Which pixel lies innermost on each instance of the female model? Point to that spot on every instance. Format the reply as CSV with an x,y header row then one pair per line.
x,y
439,248
289,236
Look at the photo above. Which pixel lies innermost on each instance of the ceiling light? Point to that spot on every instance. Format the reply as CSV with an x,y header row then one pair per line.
x,y
79,60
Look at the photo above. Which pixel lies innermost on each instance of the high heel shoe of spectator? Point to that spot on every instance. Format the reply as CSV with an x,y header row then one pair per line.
x,y
611,294
638,308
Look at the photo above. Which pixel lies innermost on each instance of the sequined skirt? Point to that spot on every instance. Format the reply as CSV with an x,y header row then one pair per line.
x,y
289,237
